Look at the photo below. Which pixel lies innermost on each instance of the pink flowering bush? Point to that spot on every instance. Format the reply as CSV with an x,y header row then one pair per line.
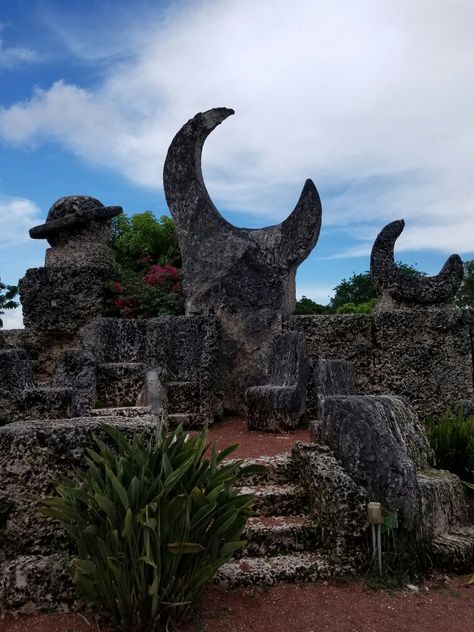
x,y
149,278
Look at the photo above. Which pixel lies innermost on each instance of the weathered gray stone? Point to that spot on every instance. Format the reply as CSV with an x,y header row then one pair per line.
x,y
424,357
185,350
333,377
340,337
397,290
73,288
34,454
79,229
337,502
36,403
76,369
15,371
119,383
279,405
246,277
380,442
111,340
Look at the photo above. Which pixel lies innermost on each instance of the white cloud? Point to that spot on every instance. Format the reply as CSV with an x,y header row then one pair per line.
x,y
17,216
11,56
12,319
373,99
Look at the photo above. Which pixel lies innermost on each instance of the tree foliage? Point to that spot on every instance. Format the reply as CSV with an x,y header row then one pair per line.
x,y
149,266
352,296
7,296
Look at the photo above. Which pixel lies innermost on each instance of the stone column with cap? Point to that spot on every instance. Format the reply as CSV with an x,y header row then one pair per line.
x,y
71,289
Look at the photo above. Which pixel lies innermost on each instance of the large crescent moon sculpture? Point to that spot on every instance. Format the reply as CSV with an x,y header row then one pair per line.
x,y
244,276
395,287
212,248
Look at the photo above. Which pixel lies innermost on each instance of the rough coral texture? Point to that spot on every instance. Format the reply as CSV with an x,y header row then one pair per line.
x,y
15,370
279,405
424,356
119,383
443,504
35,582
380,442
57,302
396,289
76,369
337,502
246,277
32,456
36,403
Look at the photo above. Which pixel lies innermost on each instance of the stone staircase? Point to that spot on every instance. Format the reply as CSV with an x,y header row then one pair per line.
x,y
283,544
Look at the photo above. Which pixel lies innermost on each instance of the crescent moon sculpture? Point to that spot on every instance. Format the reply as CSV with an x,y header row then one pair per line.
x,y
396,288
213,250
244,276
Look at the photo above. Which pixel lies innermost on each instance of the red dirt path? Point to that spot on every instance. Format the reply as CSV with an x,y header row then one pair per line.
x,y
448,607
252,443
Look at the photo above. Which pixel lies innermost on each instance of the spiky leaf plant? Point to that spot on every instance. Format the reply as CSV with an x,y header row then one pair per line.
x,y
152,519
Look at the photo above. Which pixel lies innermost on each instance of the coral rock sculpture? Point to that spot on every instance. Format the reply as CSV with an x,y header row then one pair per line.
x,y
245,276
396,289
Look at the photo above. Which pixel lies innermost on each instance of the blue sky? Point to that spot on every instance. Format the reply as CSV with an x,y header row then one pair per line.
x,y
372,99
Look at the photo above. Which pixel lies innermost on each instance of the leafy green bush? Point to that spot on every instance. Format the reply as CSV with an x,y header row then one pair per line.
x,y
152,520
452,439
148,279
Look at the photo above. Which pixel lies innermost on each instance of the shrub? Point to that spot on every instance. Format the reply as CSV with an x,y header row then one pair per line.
x,y
152,520
7,294
148,279
452,439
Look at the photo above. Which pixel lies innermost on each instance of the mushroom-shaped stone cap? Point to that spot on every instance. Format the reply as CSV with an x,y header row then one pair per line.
x,y
70,213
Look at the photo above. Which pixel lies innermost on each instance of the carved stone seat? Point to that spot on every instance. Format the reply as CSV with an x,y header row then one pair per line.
x,y
279,405
184,351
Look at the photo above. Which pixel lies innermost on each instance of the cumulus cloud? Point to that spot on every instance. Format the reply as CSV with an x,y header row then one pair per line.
x,y
371,99
17,215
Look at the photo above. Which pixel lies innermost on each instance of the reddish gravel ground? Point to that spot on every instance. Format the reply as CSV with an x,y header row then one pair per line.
x,y
445,607
251,443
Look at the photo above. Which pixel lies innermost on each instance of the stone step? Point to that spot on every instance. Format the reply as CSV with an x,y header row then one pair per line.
x,y
279,469
248,571
271,535
189,421
453,551
30,583
121,411
277,500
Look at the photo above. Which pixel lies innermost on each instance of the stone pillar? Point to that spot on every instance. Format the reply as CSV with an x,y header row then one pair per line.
x,y
71,289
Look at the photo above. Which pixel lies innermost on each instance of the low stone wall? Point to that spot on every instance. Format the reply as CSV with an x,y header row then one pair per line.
x,y
424,356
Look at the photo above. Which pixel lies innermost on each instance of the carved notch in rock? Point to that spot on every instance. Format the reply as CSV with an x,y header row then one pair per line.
x,y
395,288
245,276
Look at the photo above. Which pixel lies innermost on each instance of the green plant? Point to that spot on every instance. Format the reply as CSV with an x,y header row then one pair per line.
x,y
7,294
452,439
404,556
152,520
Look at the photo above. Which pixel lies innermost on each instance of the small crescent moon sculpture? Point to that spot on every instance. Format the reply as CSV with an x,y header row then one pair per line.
x,y
392,282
